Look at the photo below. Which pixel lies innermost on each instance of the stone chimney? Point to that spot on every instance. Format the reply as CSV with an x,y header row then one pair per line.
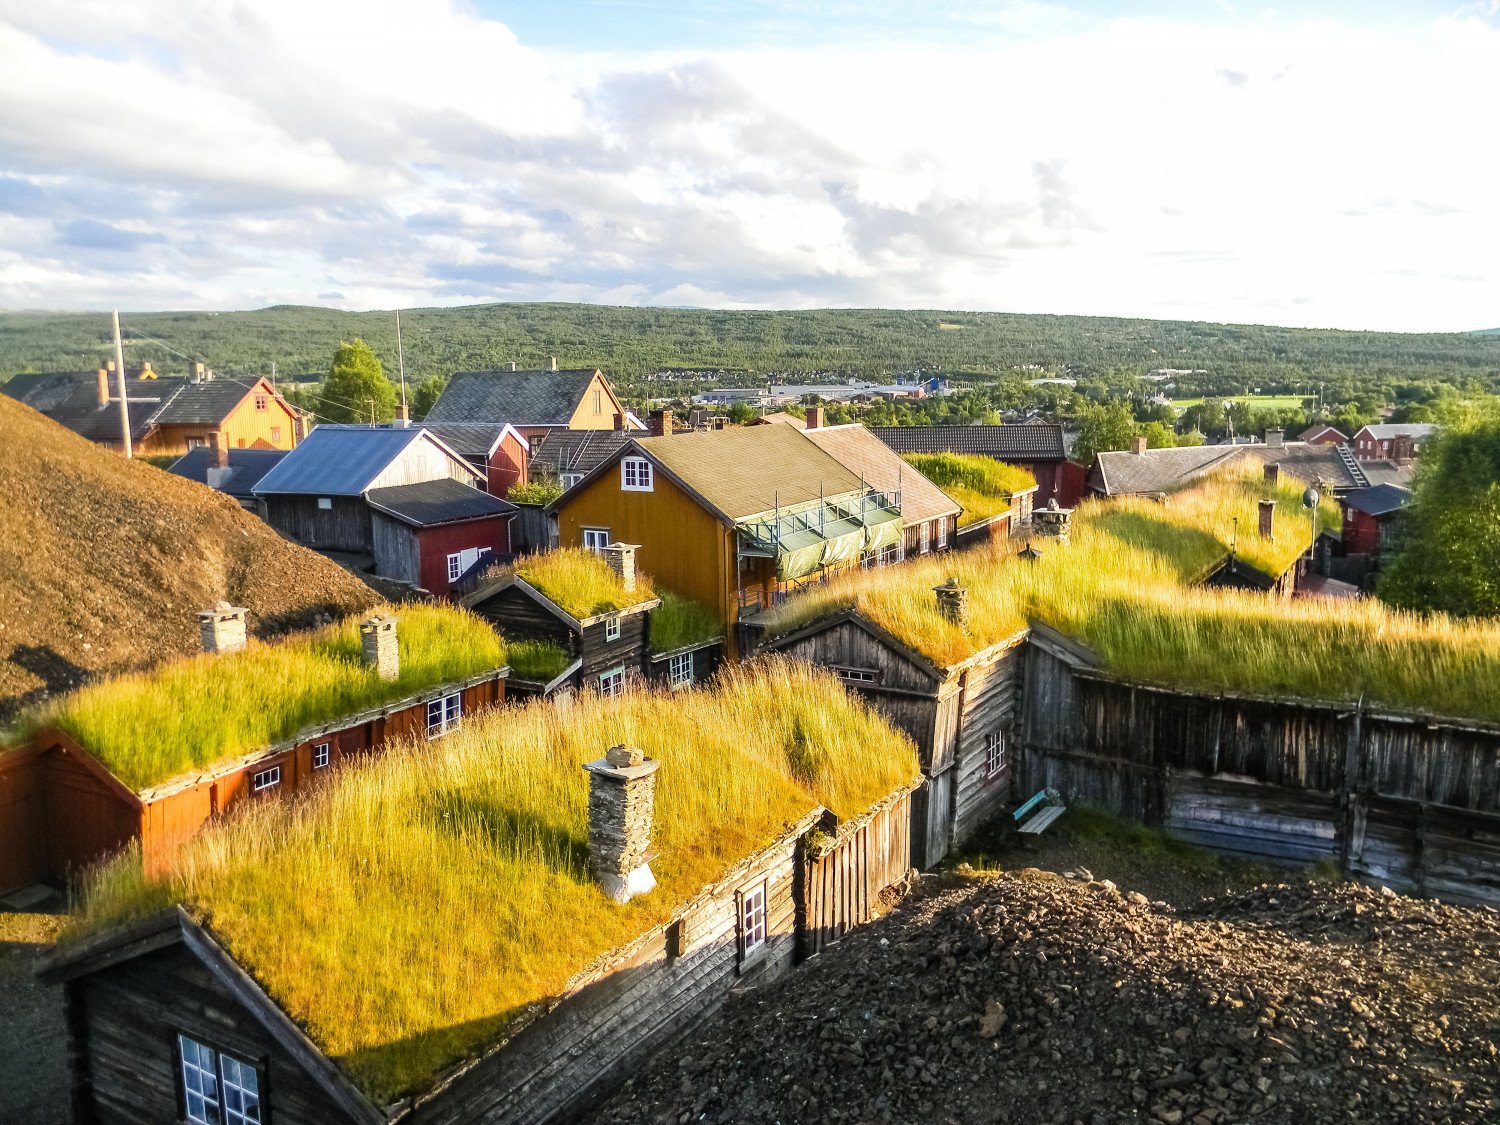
x,y
621,559
622,788
1054,521
953,602
814,420
1272,472
1275,438
377,644
222,629
554,363
403,416
661,423
619,423
1138,446
103,386
1268,519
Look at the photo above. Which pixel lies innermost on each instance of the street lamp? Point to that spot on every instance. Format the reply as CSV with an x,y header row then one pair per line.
x,y
1310,500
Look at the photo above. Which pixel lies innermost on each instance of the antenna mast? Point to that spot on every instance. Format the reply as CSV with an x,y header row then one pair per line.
x,y
120,379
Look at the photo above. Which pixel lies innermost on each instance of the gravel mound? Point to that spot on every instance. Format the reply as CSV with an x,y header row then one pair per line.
x,y
104,563
1031,998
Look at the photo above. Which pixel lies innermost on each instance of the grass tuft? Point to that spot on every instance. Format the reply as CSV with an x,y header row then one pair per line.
x,y
581,582
405,915
680,621
536,660
983,486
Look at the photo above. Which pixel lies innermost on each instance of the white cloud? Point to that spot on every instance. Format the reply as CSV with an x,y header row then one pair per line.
x,y
414,153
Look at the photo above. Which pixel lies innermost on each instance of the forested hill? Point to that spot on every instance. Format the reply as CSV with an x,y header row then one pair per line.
x,y
628,342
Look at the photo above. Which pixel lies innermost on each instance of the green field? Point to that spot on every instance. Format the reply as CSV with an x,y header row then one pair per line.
x,y
1258,402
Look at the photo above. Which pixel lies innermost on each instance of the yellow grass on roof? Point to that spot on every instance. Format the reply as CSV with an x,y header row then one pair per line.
x,y
407,913
581,583
151,726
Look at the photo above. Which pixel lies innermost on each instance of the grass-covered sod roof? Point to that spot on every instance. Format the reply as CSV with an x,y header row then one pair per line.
x,y
405,914
581,583
679,622
149,727
1127,586
983,486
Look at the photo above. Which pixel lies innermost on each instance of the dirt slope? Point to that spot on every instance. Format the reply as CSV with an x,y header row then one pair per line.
x,y
104,562
1026,998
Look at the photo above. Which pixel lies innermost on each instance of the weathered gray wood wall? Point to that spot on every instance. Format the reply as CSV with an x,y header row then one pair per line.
x,y
1406,800
343,527
843,884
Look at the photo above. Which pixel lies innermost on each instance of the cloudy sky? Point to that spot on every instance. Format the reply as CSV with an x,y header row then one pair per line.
x,y
1325,165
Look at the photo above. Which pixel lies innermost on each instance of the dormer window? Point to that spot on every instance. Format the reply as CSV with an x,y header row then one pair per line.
x,y
635,474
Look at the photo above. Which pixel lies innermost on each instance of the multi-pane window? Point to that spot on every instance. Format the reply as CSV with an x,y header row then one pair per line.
x,y
612,628
266,779
197,443
635,474
455,567
570,479
752,921
261,402
924,533
613,681
444,714
217,1089
858,675
942,533
598,402
321,754
680,670
595,538
994,753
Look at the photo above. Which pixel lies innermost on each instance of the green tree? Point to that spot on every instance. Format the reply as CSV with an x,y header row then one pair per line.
x,y
1103,428
1449,553
741,412
424,394
356,387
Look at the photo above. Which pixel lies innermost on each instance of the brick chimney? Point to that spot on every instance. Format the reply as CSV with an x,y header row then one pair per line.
x,y
1138,446
222,629
1268,519
103,386
1275,438
1272,472
1401,449
218,450
619,423
661,423
621,559
814,420
622,788
377,645
953,602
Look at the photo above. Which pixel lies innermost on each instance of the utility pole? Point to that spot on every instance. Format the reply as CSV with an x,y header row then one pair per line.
x,y
401,363
120,380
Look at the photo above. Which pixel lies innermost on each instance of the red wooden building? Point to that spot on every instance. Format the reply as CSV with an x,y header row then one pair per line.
x,y
1370,518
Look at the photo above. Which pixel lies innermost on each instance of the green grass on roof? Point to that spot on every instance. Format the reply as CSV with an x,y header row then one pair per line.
x,y
982,486
1127,587
581,582
149,727
536,660
680,621
407,913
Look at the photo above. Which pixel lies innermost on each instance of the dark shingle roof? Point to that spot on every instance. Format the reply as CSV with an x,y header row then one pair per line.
x,y
248,467
1004,443
1379,500
467,439
1166,470
1400,429
207,403
71,399
522,398
436,501
573,451
337,461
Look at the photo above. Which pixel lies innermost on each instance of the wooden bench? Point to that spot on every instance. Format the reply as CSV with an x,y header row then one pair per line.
x,y
1037,814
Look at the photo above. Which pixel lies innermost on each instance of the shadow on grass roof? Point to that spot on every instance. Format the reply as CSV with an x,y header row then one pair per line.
x,y
407,915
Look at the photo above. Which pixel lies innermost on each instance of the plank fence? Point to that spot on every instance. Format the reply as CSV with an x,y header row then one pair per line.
x,y
842,883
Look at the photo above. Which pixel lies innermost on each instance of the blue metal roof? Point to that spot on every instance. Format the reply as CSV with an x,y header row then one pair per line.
x,y
337,461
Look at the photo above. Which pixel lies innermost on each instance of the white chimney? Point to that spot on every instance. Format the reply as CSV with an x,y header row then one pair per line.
x,y
377,644
222,629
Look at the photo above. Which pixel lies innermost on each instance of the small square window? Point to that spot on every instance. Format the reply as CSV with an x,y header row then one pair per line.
x,y
325,504
275,433
216,1089
613,681
444,715
612,628
635,474
994,754
595,538
570,479
265,779
322,752
261,402
680,671
752,922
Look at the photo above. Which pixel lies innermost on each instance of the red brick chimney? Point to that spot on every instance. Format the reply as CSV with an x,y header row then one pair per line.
x,y
814,420
1268,519
619,423
1401,448
218,451
661,423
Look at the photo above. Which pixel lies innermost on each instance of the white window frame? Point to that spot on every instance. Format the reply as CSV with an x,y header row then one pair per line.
x,y
680,670
637,475
268,778
612,627
595,539
197,443
857,675
325,504
924,537
942,533
322,754
612,682
455,566
217,1088
752,925
445,714
570,479
996,755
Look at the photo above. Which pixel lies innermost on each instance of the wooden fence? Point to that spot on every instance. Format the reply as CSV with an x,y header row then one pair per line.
x,y
1407,800
842,883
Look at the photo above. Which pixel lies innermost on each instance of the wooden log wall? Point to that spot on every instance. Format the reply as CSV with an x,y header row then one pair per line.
x,y
1407,800
843,884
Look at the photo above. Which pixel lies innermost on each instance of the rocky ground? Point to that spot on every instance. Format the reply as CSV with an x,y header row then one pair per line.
x,y
33,1049
1029,997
